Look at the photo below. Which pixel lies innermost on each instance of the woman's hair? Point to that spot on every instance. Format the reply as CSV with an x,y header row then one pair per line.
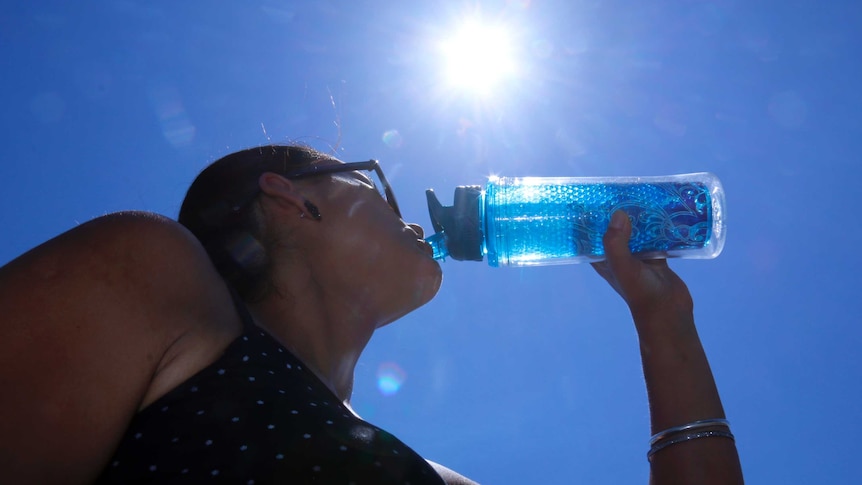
x,y
220,209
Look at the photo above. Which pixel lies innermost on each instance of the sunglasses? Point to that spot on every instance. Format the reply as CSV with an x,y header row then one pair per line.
x,y
371,166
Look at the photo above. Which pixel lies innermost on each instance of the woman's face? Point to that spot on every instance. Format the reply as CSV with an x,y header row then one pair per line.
x,y
370,253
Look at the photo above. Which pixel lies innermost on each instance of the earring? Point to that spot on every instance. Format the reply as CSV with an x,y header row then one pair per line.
x,y
313,210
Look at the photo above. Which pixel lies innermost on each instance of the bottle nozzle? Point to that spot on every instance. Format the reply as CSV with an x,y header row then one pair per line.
x,y
438,243
458,228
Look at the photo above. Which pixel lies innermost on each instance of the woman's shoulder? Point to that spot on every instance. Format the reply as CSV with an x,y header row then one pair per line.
x,y
124,246
134,234
91,320
128,227
126,273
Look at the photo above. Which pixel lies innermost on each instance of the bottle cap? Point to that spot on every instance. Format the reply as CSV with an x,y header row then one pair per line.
x,y
458,224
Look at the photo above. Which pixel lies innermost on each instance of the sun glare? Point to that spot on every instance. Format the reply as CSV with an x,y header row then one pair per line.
x,y
478,57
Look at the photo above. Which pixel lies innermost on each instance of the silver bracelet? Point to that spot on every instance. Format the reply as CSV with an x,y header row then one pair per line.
x,y
687,437
703,423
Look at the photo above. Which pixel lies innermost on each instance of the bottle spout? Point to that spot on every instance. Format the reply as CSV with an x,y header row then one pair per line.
x,y
438,244
458,227
437,213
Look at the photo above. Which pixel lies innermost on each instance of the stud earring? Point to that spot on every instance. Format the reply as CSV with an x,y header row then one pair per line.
x,y
313,210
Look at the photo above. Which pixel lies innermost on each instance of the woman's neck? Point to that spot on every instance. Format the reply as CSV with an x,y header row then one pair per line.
x,y
325,334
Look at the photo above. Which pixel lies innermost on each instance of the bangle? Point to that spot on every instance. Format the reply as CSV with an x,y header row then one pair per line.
x,y
687,437
703,423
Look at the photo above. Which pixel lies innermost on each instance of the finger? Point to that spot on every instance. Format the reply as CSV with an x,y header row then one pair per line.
x,y
658,263
616,240
604,271
619,260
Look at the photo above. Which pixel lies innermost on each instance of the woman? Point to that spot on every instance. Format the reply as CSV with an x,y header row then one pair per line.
x,y
138,350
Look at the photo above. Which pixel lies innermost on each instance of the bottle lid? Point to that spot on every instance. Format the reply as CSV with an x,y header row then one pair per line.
x,y
458,224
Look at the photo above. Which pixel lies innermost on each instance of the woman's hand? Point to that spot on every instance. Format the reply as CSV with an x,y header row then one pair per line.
x,y
649,287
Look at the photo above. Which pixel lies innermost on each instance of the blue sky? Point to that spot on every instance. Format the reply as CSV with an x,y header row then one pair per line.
x,y
509,375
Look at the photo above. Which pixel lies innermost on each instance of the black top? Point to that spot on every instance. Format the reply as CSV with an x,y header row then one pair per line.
x,y
258,416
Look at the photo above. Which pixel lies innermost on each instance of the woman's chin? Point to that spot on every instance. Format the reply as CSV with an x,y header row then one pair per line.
x,y
425,281
424,286
432,283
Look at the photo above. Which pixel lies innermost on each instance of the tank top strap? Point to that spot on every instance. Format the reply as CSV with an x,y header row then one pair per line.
x,y
247,320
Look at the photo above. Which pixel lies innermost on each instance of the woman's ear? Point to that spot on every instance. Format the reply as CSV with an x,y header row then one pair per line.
x,y
282,191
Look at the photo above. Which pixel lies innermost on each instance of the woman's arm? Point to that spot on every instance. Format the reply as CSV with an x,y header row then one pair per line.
x,y
680,384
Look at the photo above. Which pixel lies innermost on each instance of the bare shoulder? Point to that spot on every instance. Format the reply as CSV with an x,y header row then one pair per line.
x,y
119,237
450,476
88,318
132,255
123,237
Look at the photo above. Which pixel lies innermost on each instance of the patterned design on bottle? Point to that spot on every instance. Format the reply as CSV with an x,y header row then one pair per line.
x,y
532,223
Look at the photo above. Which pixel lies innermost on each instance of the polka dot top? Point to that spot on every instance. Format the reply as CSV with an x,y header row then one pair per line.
x,y
258,416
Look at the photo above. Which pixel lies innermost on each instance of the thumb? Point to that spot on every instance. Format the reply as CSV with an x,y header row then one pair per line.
x,y
617,253
616,238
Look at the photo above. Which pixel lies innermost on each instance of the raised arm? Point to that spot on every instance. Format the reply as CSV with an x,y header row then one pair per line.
x,y
88,319
680,384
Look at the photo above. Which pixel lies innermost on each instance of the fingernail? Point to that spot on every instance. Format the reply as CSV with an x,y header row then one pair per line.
x,y
618,220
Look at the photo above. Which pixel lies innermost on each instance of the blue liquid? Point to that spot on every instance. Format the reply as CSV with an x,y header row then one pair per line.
x,y
546,223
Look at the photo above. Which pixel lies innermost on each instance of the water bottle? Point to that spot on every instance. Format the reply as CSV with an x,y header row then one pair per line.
x,y
531,221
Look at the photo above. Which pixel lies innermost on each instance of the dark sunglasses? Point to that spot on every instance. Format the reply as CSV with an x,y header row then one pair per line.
x,y
370,166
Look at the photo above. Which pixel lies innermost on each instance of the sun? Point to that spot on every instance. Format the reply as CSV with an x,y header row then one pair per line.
x,y
478,57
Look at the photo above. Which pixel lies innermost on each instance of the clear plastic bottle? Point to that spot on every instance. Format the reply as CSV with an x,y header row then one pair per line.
x,y
539,221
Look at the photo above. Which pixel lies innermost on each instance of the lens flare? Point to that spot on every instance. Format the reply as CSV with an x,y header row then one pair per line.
x,y
393,139
390,378
176,126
